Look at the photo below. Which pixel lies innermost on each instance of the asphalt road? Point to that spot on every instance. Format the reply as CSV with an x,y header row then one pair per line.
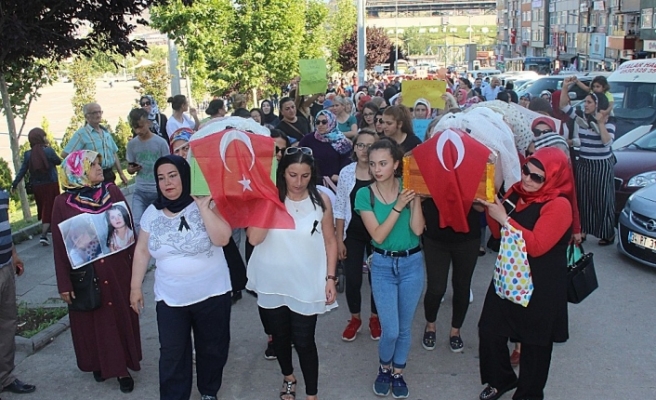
x,y
610,353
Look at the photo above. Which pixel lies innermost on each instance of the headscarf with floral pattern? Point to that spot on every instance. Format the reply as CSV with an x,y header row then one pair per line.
x,y
337,140
74,178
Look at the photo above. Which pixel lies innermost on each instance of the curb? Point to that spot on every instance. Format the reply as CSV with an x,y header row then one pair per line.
x,y
43,338
35,229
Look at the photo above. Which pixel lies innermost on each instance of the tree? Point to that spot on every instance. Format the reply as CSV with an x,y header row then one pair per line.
x,y
45,125
341,22
154,81
315,40
379,46
122,135
53,31
85,92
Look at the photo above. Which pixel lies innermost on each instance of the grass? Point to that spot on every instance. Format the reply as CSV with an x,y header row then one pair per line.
x,y
17,222
33,320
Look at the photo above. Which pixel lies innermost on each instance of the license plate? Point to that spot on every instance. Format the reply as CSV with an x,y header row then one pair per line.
x,y
642,241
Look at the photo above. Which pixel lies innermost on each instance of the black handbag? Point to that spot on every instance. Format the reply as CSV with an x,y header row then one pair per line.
x,y
581,278
86,289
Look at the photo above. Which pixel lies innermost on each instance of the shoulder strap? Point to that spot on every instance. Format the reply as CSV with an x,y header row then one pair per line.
x,y
372,197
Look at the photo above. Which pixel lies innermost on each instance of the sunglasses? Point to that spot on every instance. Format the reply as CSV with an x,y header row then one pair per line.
x,y
362,146
145,104
280,150
322,122
539,133
290,151
537,178
379,120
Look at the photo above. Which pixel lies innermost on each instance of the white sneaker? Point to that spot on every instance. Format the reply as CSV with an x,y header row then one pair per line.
x,y
44,241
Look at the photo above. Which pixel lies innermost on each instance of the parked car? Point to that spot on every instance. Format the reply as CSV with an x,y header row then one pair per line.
x,y
637,227
635,168
553,83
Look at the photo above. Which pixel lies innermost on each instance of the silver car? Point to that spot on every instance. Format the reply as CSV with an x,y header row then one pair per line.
x,y
637,226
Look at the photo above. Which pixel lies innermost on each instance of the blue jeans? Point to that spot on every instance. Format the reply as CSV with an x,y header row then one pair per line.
x,y
397,284
141,201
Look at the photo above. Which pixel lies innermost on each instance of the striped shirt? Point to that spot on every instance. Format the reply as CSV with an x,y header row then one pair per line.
x,y
592,147
6,243
86,138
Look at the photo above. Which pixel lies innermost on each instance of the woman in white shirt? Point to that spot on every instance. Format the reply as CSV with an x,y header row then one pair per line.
x,y
179,119
185,235
293,270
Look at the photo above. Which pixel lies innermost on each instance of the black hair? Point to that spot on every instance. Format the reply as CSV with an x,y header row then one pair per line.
x,y
277,133
241,112
537,163
177,101
362,132
286,100
135,116
600,100
299,158
396,151
467,82
503,96
510,86
602,81
126,219
259,112
368,106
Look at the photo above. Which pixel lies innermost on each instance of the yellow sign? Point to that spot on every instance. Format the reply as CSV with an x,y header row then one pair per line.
x,y
423,89
313,76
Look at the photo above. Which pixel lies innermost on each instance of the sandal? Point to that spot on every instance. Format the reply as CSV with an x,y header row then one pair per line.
x,y
490,393
287,390
456,344
428,341
606,242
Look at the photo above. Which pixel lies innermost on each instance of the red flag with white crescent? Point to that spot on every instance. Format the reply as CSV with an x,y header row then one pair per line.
x,y
452,164
237,167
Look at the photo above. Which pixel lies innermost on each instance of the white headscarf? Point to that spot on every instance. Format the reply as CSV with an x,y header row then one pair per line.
x,y
427,104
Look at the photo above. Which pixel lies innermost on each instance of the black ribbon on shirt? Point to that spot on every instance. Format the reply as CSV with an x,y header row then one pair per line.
x,y
183,223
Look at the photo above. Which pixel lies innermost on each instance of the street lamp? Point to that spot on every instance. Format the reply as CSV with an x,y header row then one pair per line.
x,y
469,28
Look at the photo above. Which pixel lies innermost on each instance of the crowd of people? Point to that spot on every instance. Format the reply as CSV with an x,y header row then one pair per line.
x,y
340,156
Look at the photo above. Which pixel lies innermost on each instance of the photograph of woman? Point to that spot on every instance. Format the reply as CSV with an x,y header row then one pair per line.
x,y
119,228
82,242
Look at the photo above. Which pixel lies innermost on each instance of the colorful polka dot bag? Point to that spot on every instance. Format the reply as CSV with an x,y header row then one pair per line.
x,y
512,274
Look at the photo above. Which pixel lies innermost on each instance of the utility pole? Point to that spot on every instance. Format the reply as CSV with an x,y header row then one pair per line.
x,y
174,70
362,43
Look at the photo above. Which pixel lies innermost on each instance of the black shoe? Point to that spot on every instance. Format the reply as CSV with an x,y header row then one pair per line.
x,y
270,353
252,293
98,377
126,384
236,296
19,387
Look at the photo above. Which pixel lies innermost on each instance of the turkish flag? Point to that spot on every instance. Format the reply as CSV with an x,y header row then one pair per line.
x,y
452,163
237,166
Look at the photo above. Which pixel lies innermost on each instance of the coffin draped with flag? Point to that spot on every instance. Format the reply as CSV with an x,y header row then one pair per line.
x,y
452,164
238,167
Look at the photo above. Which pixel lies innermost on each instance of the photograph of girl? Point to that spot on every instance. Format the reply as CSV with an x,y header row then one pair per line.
x,y
82,243
119,228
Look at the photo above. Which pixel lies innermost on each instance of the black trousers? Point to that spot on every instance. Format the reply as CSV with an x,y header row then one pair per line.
x,y
355,251
497,372
438,257
288,327
210,320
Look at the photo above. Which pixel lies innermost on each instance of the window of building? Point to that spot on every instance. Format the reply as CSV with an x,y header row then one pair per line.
x,y
647,18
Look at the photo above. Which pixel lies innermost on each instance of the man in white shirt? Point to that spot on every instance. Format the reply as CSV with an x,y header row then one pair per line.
x,y
490,92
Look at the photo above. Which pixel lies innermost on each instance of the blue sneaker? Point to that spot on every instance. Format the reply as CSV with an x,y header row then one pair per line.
x,y
399,387
383,382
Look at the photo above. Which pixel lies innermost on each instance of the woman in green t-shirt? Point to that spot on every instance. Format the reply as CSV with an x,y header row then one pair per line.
x,y
394,219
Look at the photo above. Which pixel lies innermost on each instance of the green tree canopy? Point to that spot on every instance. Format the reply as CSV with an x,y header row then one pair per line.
x,y
341,22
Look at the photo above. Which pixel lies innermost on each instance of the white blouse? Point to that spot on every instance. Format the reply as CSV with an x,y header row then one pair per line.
x,y
190,268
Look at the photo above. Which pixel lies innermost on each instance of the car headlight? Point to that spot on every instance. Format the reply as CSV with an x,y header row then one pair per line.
x,y
642,180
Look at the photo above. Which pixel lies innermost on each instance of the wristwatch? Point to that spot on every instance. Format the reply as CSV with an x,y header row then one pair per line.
x,y
333,277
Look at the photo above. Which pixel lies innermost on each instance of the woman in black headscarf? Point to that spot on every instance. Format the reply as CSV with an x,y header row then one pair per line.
x,y
185,235
270,118
41,161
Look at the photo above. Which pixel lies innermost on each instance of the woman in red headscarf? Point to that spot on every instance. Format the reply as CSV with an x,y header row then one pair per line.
x,y
540,207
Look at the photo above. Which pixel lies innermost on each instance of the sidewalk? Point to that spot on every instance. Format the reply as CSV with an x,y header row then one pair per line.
x,y
609,355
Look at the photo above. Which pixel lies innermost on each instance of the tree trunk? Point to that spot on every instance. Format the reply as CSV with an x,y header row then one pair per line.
x,y
13,143
255,98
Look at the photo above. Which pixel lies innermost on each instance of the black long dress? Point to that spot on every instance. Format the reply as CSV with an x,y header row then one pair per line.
x,y
544,321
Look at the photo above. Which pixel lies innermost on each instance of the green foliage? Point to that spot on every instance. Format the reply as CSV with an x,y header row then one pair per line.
x,y
45,125
122,135
5,176
419,43
315,40
153,80
341,22
85,92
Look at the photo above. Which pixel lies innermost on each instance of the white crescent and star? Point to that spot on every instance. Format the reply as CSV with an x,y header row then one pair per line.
x,y
231,136
449,135
246,183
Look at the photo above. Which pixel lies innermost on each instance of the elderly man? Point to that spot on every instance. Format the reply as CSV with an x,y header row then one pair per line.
x,y
95,137
491,92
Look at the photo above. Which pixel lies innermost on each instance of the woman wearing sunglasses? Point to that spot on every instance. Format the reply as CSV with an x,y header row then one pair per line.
x,y
293,270
353,240
540,206
378,122
331,149
158,120
282,142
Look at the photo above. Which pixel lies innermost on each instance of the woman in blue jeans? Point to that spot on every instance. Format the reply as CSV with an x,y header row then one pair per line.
x,y
394,219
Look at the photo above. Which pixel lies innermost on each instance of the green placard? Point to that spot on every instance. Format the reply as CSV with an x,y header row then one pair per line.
x,y
313,76
199,186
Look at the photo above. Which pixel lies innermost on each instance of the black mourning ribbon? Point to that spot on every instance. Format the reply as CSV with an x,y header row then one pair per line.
x,y
183,223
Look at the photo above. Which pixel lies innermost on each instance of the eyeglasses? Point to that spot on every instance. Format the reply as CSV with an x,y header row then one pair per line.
x,y
290,151
362,146
539,133
95,113
368,114
280,149
145,104
537,178
379,120
322,122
